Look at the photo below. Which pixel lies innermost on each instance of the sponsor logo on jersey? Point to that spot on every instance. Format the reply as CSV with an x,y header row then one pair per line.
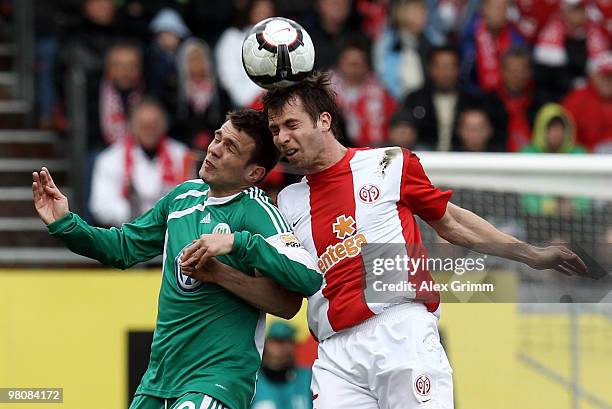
x,y
289,240
344,226
349,247
184,282
205,219
369,193
222,228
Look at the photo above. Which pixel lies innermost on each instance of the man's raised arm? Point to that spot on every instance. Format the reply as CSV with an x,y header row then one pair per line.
x,y
462,227
134,242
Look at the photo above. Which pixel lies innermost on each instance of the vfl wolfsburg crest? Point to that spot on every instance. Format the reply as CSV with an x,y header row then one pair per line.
x,y
184,282
221,228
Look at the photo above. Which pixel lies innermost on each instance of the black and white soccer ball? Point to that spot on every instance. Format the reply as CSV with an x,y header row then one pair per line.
x,y
277,52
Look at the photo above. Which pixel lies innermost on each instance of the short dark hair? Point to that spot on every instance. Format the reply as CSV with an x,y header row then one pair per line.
x,y
475,110
255,125
556,120
444,49
316,94
357,42
517,51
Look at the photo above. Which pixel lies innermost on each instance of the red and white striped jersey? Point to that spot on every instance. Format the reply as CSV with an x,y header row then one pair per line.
x,y
369,196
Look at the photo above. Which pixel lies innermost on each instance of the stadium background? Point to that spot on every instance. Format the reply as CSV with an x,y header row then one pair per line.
x,y
68,323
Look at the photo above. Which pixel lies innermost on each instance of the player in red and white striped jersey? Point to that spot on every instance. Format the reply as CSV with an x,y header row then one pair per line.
x,y
373,355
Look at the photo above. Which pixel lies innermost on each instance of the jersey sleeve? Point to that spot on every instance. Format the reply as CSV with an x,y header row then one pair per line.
x,y
268,245
135,242
418,193
283,205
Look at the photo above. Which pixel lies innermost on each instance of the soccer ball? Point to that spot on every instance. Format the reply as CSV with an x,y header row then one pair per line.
x,y
277,52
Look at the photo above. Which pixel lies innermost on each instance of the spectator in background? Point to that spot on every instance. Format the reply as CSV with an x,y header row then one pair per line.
x,y
436,106
202,101
121,89
553,133
169,30
403,132
486,39
83,49
435,29
373,16
86,41
531,16
132,174
228,52
476,133
401,54
99,26
137,14
330,30
453,16
366,105
51,18
591,106
281,384
564,46
516,101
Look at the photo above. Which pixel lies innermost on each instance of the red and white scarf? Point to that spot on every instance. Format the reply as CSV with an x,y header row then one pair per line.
x,y
489,50
199,94
170,177
367,110
113,118
532,15
550,48
519,130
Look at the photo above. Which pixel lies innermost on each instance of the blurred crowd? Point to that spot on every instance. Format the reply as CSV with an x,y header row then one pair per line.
x,y
445,75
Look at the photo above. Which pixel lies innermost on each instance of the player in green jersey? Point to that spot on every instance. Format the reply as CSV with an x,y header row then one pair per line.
x,y
209,335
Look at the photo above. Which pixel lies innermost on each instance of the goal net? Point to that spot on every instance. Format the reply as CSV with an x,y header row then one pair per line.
x,y
538,198
542,199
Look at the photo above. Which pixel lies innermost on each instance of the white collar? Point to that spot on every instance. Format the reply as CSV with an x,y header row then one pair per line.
x,y
212,201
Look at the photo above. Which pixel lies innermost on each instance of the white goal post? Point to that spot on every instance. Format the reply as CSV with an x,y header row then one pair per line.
x,y
586,175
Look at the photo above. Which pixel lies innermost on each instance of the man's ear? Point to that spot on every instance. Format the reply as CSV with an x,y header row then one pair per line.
x,y
254,173
325,121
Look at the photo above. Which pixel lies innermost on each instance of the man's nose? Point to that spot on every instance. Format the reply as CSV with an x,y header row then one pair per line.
x,y
215,149
283,138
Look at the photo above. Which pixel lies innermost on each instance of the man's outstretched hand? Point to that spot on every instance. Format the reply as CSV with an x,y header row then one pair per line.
x,y
558,258
49,201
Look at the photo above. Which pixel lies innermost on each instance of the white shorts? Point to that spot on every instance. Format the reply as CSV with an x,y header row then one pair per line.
x,y
393,360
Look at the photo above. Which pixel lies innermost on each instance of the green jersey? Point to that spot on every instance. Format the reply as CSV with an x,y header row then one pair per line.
x,y
206,339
